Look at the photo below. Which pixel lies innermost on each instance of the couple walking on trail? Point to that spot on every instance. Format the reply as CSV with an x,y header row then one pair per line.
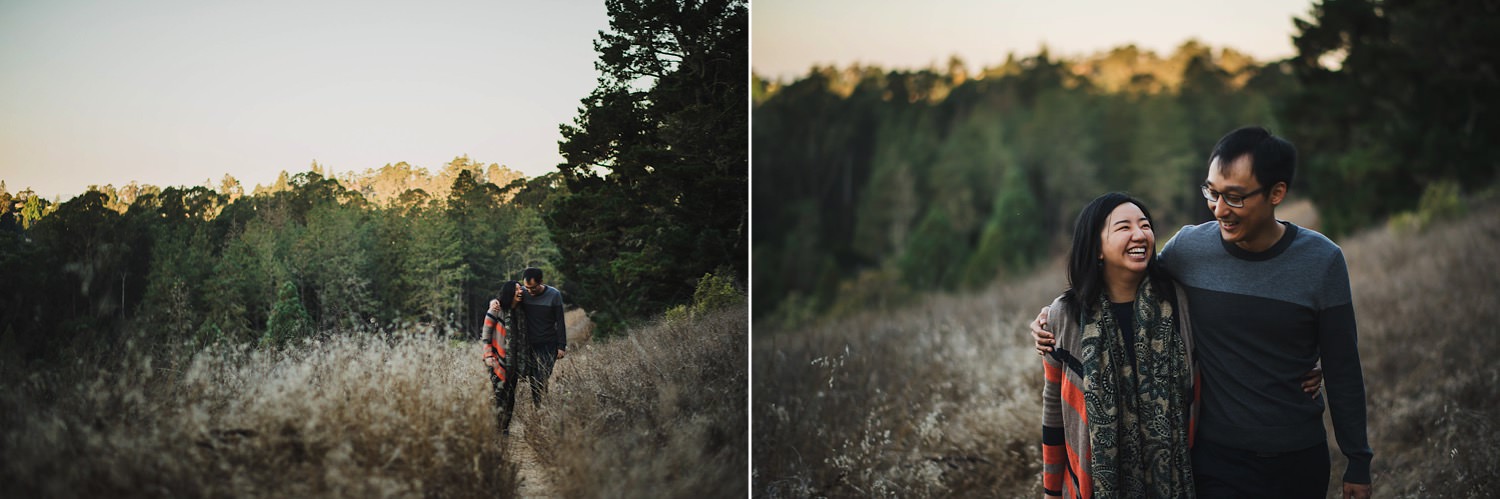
x,y
524,335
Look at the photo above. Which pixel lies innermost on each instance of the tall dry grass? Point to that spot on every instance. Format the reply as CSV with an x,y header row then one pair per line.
x,y
353,415
660,412
941,397
1428,306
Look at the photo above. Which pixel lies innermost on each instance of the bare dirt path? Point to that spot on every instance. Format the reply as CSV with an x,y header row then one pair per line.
x,y
534,482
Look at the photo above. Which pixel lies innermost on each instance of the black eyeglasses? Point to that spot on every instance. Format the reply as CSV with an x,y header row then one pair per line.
x,y
1233,200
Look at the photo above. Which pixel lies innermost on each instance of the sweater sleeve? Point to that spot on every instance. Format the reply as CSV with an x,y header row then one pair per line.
x,y
491,335
562,325
1054,445
1338,345
1054,451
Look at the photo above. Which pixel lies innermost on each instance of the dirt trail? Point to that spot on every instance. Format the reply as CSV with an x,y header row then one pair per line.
x,y
534,482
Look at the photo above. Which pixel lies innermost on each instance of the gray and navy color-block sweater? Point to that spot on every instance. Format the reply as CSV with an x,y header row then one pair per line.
x,y
544,318
1261,321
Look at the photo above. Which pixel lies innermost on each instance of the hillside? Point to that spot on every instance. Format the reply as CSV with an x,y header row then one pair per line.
x,y
941,396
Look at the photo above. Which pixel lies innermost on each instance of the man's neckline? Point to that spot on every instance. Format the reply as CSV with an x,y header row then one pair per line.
x,y
1272,252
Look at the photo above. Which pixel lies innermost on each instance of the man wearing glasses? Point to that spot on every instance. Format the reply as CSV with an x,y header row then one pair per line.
x,y
1269,301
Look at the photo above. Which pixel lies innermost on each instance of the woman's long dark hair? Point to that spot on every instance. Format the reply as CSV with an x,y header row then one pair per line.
x,y
508,295
1085,275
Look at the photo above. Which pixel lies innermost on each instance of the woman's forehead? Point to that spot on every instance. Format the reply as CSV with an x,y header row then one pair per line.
x,y
1126,212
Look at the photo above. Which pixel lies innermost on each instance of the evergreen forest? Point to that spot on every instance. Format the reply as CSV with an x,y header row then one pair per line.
x,y
873,183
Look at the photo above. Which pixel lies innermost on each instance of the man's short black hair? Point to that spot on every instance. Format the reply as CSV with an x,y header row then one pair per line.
x,y
1272,158
532,274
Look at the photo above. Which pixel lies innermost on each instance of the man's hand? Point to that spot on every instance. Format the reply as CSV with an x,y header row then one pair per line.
x,y
491,361
1356,490
1313,381
561,353
495,306
1039,333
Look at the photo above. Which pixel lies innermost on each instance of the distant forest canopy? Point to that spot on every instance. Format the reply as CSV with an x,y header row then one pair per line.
x,y
382,186
305,254
872,184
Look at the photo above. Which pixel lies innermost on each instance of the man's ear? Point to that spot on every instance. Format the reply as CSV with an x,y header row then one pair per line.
x,y
1278,193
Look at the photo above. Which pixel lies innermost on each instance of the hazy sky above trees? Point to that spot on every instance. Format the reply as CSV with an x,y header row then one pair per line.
x,y
789,36
175,92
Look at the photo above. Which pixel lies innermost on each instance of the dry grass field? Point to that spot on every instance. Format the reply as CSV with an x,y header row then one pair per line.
x,y
351,416
660,413
941,397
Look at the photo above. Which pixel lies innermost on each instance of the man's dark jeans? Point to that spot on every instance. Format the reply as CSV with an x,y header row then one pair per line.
x,y
539,369
1228,472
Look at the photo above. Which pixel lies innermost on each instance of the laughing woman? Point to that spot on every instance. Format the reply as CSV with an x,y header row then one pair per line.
x,y
501,349
1119,401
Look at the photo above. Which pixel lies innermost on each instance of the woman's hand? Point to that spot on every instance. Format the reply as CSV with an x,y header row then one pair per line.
x,y
492,362
1313,381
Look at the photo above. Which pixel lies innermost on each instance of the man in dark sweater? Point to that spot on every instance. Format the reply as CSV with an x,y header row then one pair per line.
x,y
1269,301
546,330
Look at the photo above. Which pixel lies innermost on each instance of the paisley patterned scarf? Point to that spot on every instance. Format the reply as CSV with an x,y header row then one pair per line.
x,y
1137,420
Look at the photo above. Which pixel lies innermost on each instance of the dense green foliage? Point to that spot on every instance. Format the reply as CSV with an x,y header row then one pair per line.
x,y
870,183
655,160
305,255
1400,96
933,179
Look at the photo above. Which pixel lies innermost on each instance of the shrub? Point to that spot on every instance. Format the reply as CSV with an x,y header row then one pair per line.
x,y
1440,201
713,292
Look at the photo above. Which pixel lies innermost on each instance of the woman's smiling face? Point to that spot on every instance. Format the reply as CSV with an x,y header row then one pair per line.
x,y
1127,243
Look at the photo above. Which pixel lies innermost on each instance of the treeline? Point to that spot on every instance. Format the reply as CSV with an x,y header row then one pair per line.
x,y
305,255
873,184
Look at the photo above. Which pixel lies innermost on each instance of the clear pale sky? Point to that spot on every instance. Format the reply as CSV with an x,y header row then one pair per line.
x,y
173,92
790,36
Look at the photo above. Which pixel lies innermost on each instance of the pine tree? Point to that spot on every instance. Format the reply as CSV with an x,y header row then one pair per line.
x,y
656,164
289,319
